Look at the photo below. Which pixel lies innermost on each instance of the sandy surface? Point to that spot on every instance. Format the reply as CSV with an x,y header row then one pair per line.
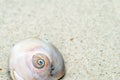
x,y
87,32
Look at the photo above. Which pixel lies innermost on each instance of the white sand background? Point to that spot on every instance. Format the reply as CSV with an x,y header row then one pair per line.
x,y
87,32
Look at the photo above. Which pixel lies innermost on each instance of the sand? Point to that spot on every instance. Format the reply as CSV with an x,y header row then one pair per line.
x,y
87,32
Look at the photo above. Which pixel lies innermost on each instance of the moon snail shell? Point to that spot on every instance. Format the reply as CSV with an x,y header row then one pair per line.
x,y
35,59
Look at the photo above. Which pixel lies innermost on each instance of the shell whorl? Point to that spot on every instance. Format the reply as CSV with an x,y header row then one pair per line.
x,y
34,59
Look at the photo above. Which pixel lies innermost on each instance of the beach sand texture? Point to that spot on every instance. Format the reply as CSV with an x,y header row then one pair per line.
x,y
87,33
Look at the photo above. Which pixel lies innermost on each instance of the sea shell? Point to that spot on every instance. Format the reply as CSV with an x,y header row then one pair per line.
x,y
35,59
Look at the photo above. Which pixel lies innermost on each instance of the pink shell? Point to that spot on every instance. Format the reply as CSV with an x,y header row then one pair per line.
x,y
23,66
